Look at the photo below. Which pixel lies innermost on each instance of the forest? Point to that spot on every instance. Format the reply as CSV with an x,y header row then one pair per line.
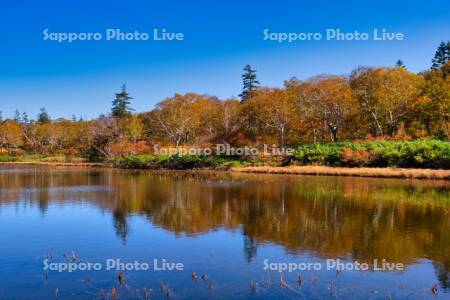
x,y
375,116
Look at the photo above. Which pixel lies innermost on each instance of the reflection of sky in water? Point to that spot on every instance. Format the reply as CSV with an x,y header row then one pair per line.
x,y
223,229
219,254
65,189
221,183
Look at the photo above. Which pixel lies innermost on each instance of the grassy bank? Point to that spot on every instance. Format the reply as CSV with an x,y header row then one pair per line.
x,y
412,159
144,161
178,162
35,158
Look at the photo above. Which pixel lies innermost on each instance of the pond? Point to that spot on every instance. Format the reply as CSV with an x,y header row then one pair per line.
x,y
74,233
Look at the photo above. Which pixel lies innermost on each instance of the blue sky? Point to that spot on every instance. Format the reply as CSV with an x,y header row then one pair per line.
x,y
220,38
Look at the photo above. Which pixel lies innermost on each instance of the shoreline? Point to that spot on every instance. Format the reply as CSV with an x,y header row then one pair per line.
x,y
289,170
61,164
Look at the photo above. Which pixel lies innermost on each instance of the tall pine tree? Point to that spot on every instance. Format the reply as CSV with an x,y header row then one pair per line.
x,y
120,105
400,64
17,118
442,55
43,116
249,81
25,119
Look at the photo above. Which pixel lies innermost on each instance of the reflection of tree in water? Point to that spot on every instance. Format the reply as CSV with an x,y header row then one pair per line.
x,y
250,248
43,205
398,220
443,274
121,225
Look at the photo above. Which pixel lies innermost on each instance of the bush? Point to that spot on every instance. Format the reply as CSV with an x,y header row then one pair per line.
x,y
4,157
413,154
321,154
355,158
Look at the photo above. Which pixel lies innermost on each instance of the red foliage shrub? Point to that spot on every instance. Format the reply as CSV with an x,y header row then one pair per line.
x,y
124,149
355,158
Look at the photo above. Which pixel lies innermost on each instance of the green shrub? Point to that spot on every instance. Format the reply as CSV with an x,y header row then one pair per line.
x,y
7,158
423,153
321,154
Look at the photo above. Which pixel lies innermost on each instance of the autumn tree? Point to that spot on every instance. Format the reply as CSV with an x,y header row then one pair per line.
x,y
229,121
208,109
121,104
131,128
28,132
331,101
178,118
50,137
77,137
307,124
10,134
250,83
386,96
433,107
105,132
323,105
274,109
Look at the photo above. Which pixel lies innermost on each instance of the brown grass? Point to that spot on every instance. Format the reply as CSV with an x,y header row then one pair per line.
x,y
361,172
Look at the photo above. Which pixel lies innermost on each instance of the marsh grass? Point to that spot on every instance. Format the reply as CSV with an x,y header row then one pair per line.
x,y
361,172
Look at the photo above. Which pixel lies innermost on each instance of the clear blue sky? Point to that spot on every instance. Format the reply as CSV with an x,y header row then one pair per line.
x,y
220,38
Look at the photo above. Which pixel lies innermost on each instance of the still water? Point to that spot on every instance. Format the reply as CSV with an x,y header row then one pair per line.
x,y
234,231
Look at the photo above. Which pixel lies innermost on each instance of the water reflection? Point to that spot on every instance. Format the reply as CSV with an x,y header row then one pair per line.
x,y
328,217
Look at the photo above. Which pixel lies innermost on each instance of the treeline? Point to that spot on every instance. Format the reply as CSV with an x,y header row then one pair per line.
x,y
389,103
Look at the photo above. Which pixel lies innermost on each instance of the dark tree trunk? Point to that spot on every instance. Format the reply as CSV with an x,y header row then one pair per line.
x,y
334,130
